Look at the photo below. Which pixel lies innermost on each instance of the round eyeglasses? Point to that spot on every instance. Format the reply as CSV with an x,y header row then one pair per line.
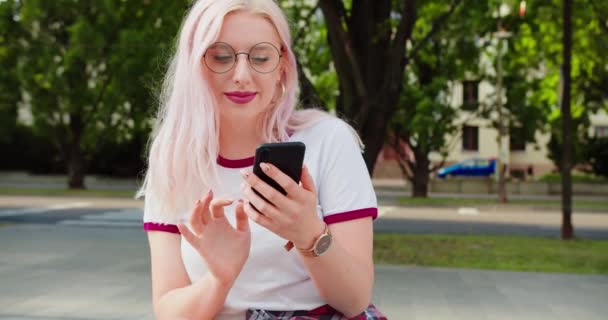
x,y
220,57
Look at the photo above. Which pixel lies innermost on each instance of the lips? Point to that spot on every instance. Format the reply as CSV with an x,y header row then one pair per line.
x,y
240,97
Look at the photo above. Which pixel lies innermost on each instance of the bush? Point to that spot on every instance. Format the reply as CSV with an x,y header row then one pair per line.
x,y
576,177
26,151
118,160
597,155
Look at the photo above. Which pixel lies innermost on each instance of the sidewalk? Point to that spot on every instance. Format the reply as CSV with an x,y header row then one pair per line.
x,y
60,272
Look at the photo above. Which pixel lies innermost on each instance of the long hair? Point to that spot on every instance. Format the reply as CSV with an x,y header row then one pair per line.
x,y
182,159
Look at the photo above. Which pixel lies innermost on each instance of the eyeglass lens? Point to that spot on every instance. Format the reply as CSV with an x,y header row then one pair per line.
x,y
263,57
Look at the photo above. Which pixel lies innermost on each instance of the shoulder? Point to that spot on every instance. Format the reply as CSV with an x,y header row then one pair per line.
x,y
330,130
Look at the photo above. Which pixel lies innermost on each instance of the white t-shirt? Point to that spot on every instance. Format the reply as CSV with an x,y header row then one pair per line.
x,y
272,278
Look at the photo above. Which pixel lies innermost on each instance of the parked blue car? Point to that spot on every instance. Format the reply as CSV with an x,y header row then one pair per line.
x,y
476,167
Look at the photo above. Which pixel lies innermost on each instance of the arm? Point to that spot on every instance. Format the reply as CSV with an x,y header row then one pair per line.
x,y
344,275
173,295
223,248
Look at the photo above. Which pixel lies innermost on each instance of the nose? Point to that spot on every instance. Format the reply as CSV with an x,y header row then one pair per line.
x,y
242,72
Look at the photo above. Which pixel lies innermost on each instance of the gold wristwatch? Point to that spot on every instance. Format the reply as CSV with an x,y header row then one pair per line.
x,y
321,246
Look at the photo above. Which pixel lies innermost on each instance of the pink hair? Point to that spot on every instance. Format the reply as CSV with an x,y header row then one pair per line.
x,y
182,162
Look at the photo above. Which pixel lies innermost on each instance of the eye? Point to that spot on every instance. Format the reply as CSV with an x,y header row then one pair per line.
x,y
260,59
222,58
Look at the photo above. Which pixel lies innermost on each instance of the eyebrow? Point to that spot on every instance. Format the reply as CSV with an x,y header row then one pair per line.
x,y
278,46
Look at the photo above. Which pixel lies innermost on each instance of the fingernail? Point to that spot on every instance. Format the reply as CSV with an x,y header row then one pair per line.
x,y
210,192
264,166
244,173
197,202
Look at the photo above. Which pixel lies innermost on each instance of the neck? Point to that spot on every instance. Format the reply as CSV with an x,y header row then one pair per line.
x,y
239,139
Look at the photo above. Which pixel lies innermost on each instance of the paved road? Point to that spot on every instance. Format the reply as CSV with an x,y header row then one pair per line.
x,y
126,213
71,272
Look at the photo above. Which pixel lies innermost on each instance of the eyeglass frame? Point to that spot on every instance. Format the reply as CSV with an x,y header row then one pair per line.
x,y
236,58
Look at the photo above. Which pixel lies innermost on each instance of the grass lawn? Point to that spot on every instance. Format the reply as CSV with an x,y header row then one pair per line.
x,y
595,205
67,192
493,252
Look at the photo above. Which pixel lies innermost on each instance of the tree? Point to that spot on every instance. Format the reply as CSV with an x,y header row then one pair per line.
x,y
86,68
9,85
425,116
368,41
566,169
317,78
577,66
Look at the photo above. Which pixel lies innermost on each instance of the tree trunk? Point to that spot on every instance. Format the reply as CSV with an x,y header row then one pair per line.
x,y
372,132
76,168
308,94
370,61
567,229
75,158
421,177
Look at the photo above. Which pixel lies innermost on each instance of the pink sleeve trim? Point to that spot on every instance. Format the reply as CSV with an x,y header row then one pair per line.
x,y
153,226
351,215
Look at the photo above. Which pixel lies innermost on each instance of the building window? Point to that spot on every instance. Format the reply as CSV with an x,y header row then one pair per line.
x,y
601,131
470,91
517,140
470,138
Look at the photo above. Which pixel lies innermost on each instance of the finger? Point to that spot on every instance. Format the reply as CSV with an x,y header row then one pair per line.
x,y
188,235
242,220
217,207
260,204
307,182
285,181
195,219
256,216
200,216
271,194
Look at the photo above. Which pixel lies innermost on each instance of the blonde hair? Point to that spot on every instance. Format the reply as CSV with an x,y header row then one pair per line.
x,y
182,159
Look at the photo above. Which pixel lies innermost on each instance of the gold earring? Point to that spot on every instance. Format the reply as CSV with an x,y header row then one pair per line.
x,y
283,90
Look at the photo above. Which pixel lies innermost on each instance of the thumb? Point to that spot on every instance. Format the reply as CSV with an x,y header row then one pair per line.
x,y
242,220
307,182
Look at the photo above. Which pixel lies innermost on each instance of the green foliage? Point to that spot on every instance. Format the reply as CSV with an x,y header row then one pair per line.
x,y
88,67
311,48
597,156
9,85
533,62
576,177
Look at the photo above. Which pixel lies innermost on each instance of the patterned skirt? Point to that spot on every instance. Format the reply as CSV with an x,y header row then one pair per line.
x,y
322,313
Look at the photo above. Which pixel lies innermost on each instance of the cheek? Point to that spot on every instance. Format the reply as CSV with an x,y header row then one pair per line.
x,y
270,87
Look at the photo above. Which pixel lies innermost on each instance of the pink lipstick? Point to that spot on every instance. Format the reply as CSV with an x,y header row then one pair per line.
x,y
240,97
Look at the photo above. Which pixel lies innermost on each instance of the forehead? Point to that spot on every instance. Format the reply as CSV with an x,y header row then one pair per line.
x,y
242,30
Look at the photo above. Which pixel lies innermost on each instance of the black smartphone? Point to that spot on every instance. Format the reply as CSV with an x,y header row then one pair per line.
x,y
286,156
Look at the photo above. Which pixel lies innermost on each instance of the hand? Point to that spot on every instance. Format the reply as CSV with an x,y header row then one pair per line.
x,y
292,217
224,248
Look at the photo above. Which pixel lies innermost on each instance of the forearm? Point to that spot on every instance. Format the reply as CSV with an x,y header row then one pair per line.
x,y
200,300
344,282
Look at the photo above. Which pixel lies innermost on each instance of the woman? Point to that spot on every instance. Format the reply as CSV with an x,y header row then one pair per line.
x,y
231,86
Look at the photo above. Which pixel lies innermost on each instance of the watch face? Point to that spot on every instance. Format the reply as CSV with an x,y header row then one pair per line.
x,y
323,244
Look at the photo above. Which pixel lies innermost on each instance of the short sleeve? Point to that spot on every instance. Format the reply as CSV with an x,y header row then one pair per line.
x,y
345,187
155,220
